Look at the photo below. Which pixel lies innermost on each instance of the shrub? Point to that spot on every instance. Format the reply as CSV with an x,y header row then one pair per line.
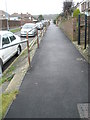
x,y
76,13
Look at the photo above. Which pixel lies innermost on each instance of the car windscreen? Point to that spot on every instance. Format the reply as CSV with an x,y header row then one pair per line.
x,y
28,26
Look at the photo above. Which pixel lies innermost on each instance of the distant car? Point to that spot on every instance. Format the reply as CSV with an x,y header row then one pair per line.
x,y
39,25
7,38
30,28
44,22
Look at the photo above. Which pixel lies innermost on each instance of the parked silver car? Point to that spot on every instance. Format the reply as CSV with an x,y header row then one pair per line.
x,y
7,39
29,28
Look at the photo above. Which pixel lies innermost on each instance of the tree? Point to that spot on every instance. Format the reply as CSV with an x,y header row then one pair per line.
x,y
67,7
40,17
76,13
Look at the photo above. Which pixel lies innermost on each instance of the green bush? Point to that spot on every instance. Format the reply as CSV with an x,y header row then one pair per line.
x,y
40,17
76,13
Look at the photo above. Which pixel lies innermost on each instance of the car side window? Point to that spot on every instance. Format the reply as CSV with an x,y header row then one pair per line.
x,y
5,40
12,38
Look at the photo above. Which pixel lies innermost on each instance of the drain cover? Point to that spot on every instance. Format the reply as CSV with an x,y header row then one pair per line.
x,y
83,110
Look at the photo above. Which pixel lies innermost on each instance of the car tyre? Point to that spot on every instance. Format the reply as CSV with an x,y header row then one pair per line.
x,y
18,51
1,64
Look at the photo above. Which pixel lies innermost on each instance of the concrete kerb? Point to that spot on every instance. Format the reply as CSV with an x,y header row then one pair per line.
x,y
82,52
17,80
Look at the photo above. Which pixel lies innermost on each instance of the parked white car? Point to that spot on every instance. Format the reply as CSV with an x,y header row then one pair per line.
x,y
39,25
30,28
7,38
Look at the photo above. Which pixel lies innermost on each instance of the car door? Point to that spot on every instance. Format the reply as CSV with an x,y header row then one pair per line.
x,y
6,53
13,41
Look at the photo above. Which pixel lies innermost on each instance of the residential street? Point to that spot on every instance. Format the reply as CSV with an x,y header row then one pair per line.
x,y
56,83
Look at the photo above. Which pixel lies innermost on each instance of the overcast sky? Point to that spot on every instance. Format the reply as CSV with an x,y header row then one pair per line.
x,y
34,7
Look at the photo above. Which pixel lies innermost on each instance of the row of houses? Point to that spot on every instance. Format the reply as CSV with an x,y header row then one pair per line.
x,y
15,20
84,7
17,17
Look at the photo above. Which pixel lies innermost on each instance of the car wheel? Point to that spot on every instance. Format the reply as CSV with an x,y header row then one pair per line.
x,y
1,65
18,50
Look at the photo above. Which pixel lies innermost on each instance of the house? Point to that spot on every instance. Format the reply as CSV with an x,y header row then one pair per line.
x,y
24,18
15,16
27,18
78,6
4,15
84,7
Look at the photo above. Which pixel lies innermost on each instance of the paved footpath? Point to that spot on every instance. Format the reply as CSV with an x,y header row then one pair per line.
x,y
56,83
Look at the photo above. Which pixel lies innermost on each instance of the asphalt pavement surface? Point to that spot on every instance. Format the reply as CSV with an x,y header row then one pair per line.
x,y
56,83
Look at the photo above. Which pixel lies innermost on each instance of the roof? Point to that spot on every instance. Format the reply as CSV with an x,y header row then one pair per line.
x,y
3,14
4,31
27,15
29,24
15,15
20,15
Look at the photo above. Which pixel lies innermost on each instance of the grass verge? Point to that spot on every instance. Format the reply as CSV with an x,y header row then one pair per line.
x,y
15,30
8,75
6,98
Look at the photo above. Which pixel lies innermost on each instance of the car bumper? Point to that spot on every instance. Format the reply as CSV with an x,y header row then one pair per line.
x,y
30,35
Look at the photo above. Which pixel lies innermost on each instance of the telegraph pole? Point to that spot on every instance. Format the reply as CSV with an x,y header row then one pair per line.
x,y
6,15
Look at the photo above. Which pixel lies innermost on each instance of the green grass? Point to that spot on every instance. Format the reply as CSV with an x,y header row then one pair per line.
x,y
6,99
24,53
9,71
8,75
15,30
4,79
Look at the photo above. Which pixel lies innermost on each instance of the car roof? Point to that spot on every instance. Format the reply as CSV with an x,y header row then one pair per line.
x,y
39,23
29,24
2,32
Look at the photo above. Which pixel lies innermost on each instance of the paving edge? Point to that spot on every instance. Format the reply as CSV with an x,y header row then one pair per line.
x,y
86,58
15,83
8,89
20,73
80,51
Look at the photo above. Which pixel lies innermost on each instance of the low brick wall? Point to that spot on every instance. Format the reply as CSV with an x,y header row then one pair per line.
x,y
69,27
11,23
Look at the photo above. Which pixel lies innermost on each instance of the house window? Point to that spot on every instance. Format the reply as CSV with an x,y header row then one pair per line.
x,y
89,4
83,6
